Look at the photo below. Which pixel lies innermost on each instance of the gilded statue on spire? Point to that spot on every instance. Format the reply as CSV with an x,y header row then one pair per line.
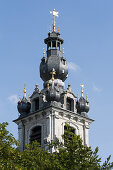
x,y
55,14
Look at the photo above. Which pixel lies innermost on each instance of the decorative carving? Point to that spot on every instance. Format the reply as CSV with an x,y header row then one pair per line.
x,y
76,118
43,113
86,126
61,114
45,140
68,116
30,119
37,116
82,121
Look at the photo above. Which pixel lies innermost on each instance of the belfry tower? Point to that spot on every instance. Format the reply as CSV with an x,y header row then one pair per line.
x,y
44,114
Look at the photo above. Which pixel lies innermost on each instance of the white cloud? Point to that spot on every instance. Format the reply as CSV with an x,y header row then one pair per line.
x,y
96,89
13,99
73,66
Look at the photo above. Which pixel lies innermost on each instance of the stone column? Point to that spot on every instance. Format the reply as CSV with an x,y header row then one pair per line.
x,y
21,135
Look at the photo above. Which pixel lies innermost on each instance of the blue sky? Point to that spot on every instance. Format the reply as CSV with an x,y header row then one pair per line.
x,y
87,29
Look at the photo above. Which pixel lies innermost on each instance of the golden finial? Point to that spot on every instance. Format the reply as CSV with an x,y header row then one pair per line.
x,y
57,83
19,98
49,29
53,74
86,97
55,14
58,29
54,21
82,86
24,90
63,52
43,52
77,97
48,85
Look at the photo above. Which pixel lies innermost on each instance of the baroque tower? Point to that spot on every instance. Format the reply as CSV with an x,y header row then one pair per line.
x,y
43,115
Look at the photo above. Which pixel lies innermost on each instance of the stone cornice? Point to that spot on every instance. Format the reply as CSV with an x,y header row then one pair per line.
x,y
67,113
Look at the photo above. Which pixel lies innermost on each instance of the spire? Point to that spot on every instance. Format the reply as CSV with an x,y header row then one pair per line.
x,y
49,29
24,91
54,56
55,14
63,52
19,99
43,52
82,86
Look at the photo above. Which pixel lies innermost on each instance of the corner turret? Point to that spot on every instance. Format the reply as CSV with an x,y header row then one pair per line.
x,y
82,104
24,105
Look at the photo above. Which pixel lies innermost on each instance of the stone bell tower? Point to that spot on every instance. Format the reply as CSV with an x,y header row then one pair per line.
x,y
44,114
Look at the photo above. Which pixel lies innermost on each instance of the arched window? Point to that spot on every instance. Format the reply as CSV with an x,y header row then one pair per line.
x,y
71,129
36,134
36,104
70,104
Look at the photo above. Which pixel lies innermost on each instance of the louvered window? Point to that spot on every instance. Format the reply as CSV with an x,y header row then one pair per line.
x,y
71,131
36,134
36,104
70,104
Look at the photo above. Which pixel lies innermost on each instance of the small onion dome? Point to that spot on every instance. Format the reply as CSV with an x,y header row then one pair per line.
x,y
24,106
82,105
52,95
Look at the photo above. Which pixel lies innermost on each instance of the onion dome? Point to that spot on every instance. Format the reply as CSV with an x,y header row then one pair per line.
x,y
82,105
52,93
54,59
24,105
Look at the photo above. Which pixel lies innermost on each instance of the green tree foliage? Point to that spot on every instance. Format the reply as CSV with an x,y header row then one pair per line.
x,y
72,155
8,153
